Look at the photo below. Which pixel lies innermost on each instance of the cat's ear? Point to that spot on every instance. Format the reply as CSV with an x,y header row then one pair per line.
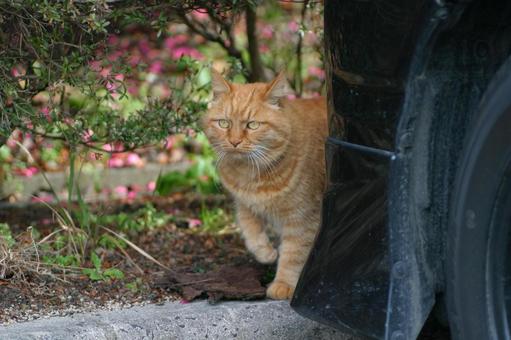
x,y
277,89
219,84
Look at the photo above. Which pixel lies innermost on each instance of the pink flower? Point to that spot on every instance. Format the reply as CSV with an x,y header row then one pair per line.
x,y
151,186
156,67
264,48
134,59
105,72
115,162
317,72
95,156
153,54
68,121
191,133
291,96
43,198
107,147
293,26
46,221
29,125
45,111
87,135
194,222
169,142
175,40
121,191
113,39
113,147
181,51
16,136
133,90
267,32
144,46
200,14
27,172
18,71
95,65
115,55
112,86
131,195
134,159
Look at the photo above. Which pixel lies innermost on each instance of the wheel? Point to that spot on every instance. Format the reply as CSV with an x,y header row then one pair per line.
x,y
478,264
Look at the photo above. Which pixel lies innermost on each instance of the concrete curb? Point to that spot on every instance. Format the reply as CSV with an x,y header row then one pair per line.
x,y
198,320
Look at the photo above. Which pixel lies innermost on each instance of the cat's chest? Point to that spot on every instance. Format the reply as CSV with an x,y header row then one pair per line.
x,y
259,196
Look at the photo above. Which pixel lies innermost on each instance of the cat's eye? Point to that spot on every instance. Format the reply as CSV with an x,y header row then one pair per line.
x,y
223,123
253,125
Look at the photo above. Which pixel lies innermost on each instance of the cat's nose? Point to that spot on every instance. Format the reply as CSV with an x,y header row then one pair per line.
x,y
235,143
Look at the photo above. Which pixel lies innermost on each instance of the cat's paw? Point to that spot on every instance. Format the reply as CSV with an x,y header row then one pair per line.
x,y
279,290
266,255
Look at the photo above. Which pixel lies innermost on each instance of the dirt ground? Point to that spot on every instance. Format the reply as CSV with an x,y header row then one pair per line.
x,y
215,266
185,250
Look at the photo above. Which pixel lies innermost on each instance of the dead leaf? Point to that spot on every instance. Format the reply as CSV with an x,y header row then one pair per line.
x,y
226,283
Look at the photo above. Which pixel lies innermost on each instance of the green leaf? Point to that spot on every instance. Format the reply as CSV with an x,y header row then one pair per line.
x,y
66,260
113,273
96,261
5,233
93,274
109,242
172,182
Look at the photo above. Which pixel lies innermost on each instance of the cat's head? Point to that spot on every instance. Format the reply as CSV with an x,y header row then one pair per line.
x,y
246,120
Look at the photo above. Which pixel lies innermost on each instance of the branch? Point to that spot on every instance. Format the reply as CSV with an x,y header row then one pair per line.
x,y
298,72
83,143
256,65
229,46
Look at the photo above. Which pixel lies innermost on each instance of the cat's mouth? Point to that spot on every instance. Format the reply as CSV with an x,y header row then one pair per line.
x,y
238,153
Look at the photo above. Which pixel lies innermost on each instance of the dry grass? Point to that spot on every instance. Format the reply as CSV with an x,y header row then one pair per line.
x,y
23,260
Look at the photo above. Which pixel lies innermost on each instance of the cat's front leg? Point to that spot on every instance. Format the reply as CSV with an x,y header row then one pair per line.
x,y
256,239
296,243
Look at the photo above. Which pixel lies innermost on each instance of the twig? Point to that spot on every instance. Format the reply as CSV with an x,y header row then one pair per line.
x,y
125,253
230,48
137,248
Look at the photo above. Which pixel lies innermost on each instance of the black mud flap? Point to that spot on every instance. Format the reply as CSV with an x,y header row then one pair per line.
x,y
345,282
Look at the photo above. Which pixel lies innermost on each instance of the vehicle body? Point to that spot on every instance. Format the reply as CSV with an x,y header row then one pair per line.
x,y
418,203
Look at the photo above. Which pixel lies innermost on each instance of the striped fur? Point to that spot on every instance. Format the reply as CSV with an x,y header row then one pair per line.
x,y
276,173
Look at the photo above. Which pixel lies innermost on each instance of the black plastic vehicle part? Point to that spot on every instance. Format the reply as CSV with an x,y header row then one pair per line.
x,y
404,79
479,243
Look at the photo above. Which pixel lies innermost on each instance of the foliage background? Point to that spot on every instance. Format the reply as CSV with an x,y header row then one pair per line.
x,y
94,81
109,84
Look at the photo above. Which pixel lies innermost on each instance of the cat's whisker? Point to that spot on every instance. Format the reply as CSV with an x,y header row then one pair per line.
x,y
220,157
252,163
258,169
267,167
267,161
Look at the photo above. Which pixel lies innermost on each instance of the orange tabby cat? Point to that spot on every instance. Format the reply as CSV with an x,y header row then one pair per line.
x,y
271,159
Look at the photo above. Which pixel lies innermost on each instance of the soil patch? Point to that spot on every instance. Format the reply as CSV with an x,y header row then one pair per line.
x,y
190,253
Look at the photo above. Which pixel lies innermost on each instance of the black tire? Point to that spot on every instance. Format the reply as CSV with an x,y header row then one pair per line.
x,y
478,264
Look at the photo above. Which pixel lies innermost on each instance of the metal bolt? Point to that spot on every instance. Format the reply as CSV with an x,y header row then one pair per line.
x,y
405,141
